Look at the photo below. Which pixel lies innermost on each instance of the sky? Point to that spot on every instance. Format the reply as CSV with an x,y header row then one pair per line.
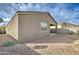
x,y
61,12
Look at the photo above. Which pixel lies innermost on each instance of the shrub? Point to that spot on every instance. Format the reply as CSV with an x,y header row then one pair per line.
x,y
8,44
2,30
1,20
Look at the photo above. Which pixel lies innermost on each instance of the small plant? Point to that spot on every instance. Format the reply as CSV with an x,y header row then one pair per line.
x,y
2,30
8,43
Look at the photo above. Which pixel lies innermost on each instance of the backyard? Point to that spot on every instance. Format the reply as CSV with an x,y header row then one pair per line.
x,y
54,44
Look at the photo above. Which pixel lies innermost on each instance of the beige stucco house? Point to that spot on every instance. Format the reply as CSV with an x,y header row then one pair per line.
x,y
72,27
30,25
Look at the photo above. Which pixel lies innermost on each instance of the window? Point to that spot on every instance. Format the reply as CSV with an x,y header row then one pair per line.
x,y
43,26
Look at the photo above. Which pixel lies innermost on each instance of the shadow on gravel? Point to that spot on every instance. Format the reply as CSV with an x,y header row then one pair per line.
x,y
20,49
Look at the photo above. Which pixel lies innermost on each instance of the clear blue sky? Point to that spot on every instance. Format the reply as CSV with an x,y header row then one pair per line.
x,y
60,12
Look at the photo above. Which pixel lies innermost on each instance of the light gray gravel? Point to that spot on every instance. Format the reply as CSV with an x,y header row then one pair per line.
x,y
58,44
19,49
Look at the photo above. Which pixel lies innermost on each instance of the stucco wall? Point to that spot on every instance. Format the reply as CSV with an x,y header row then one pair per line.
x,y
12,27
25,27
58,26
29,26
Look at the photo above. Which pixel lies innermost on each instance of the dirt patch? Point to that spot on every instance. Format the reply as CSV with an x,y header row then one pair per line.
x,y
55,49
40,46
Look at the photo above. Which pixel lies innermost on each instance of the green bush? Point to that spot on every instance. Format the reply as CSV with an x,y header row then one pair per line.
x,y
1,20
8,44
2,29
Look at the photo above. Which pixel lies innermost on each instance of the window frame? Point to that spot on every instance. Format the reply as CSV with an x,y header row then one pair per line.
x,y
43,26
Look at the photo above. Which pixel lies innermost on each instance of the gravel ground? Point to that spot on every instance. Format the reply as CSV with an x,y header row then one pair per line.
x,y
5,37
58,38
57,44
40,49
19,49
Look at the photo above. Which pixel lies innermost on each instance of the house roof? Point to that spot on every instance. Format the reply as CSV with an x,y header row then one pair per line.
x,y
19,12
